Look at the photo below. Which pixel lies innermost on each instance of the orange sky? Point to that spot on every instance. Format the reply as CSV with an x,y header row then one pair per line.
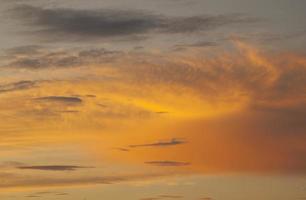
x,y
122,116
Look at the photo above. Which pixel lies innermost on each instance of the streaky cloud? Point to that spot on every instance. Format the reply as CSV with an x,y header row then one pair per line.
x,y
53,167
61,99
171,142
16,86
167,163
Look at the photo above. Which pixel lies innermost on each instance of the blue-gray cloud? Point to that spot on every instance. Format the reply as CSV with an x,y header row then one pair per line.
x,y
66,23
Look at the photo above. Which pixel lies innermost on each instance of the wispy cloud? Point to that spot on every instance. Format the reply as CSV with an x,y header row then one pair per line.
x,y
46,193
167,163
17,181
16,86
35,58
53,167
171,142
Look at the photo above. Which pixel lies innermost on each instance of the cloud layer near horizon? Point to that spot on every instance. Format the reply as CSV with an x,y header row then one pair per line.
x,y
241,111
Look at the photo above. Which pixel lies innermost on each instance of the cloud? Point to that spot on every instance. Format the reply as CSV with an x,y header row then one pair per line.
x,y
66,23
61,99
16,86
47,193
18,181
249,101
171,142
35,58
167,163
53,167
179,47
122,149
24,50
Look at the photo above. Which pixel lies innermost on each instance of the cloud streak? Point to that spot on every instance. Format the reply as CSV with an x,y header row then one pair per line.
x,y
17,181
66,23
29,57
167,163
16,86
171,142
53,167
60,99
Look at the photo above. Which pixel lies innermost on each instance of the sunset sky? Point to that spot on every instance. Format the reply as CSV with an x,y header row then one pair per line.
x,y
153,99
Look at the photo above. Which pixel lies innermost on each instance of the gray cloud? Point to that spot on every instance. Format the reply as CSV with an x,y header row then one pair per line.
x,y
171,142
90,24
53,167
23,50
21,57
61,99
20,85
194,45
167,163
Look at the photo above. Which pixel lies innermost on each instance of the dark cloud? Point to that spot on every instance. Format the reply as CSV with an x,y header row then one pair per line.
x,y
66,23
53,167
167,163
122,149
171,142
16,86
61,99
203,23
21,57
90,96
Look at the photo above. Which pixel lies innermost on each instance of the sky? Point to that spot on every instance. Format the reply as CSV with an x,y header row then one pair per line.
x,y
152,100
